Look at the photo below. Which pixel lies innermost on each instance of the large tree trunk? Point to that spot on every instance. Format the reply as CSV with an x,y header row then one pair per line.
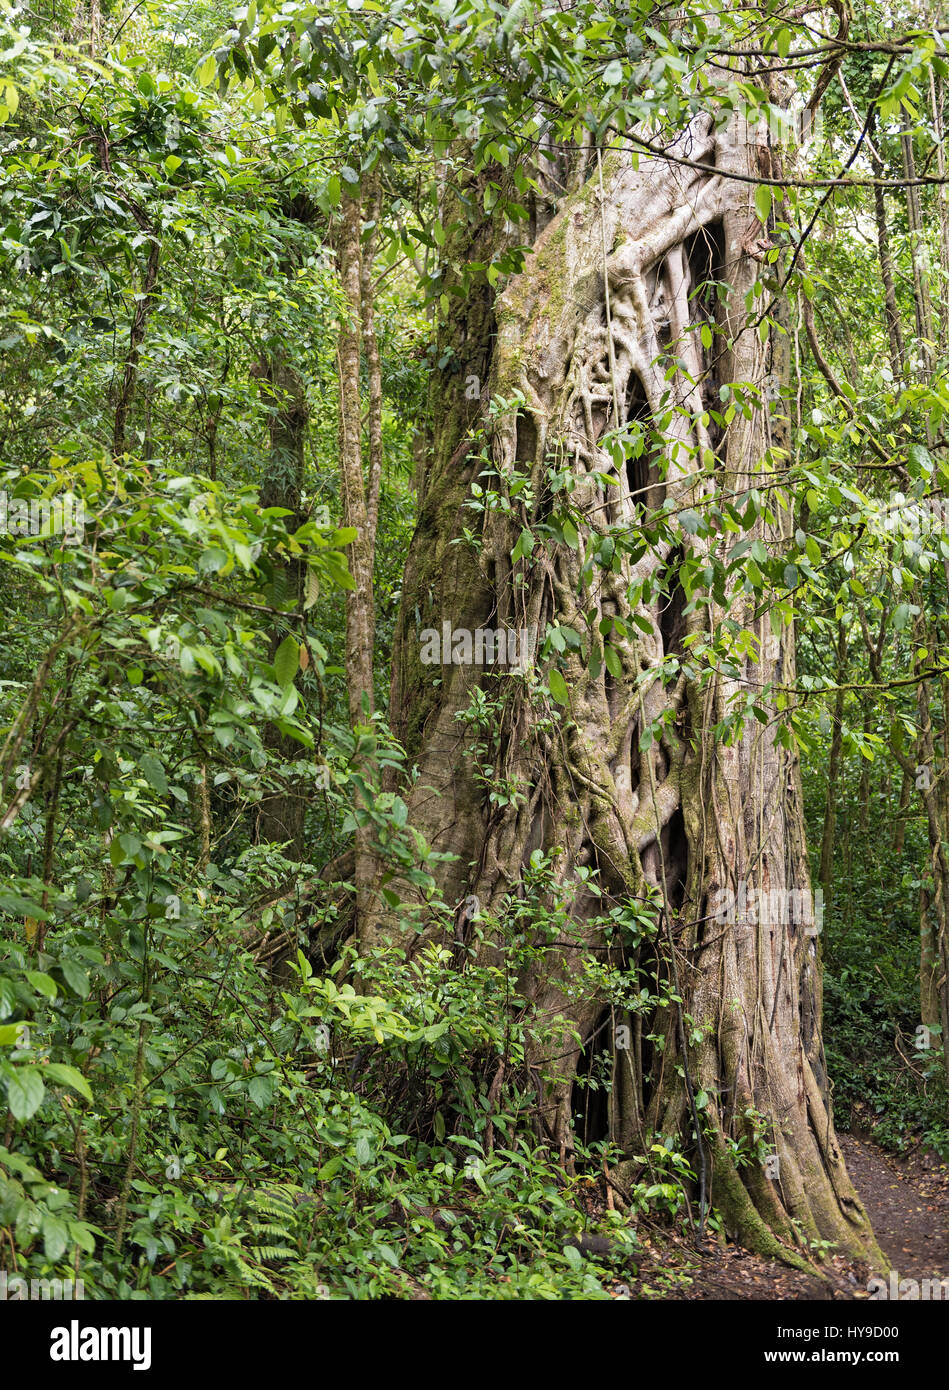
x,y
602,328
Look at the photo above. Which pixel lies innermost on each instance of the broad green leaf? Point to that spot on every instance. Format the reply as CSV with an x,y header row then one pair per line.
x,y
260,1090
25,1091
558,687
763,201
154,773
287,661
75,977
43,983
55,1236
68,1076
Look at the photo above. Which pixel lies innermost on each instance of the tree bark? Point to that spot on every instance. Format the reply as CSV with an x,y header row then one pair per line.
x,y
894,330
370,342
929,973
602,329
921,292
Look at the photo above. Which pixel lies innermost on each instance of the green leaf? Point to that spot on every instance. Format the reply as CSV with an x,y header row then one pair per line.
x,y
76,978
154,773
921,459
83,1235
763,201
68,1076
18,906
558,687
124,847
524,546
25,1092
43,983
55,1236
287,661
260,1091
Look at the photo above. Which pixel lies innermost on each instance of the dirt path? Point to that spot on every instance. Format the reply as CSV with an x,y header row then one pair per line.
x,y
908,1204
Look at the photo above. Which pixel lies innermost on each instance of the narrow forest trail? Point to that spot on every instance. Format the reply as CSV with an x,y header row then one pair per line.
x,y
908,1204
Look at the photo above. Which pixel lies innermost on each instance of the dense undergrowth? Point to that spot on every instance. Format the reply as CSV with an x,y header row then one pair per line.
x,y
887,1074
193,1108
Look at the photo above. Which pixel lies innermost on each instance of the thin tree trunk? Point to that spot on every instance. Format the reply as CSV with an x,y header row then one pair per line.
x,y
929,1010
49,841
825,873
373,365
894,330
863,792
875,662
360,611
921,292
95,27
203,818
280,817
143,308
906,791
937,100
360,621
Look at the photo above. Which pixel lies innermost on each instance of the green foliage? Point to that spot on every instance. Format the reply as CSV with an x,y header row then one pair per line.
x,y
882,1083
205,1094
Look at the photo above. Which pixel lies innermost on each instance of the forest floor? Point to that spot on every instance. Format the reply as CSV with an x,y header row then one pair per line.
x,y
907,1200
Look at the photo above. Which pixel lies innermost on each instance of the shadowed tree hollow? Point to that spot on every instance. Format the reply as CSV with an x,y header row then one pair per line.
x,y
605,362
